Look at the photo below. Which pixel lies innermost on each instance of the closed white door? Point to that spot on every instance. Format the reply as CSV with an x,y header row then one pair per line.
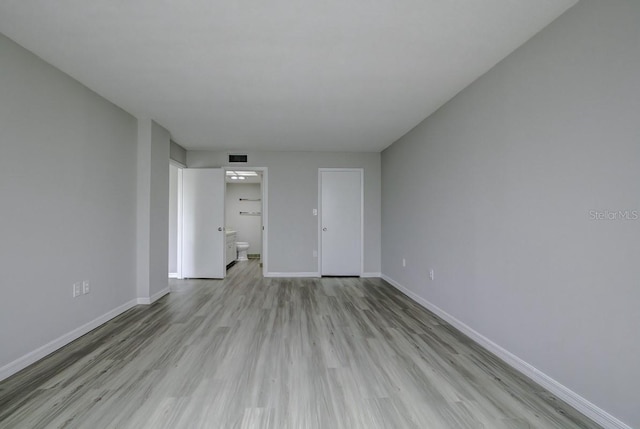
x,y
340,222
203,236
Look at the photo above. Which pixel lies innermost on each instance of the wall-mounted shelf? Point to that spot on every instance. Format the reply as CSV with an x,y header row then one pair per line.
x,y
250,199
250,213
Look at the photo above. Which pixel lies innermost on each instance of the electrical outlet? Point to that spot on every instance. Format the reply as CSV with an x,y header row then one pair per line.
x,y
77,289
404,262
86,287
431,274
315,212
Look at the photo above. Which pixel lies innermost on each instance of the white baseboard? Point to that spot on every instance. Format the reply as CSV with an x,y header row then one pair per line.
x,y
314,274
153,298
156,296
305,274
34,356
173,275
562,392
368,275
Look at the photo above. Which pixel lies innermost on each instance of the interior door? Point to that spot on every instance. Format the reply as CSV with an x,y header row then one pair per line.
x,y
341,222
203,236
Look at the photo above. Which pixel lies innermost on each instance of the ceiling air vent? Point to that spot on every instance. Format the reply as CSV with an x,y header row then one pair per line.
x,y
237,158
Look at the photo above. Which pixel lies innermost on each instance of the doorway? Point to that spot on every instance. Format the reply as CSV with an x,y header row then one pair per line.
x,y
201,241
246,209
243,214
340,221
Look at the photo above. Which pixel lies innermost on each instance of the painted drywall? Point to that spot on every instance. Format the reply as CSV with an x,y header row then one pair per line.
x,y
143,189
499,192
67,185
177,153
293,194
152,210
248,228
159,215
173,219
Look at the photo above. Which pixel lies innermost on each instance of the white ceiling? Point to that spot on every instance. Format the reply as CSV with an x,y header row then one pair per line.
x,y
349,75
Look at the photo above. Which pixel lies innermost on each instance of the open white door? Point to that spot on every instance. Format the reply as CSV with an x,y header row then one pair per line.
x,y
340,222
203,236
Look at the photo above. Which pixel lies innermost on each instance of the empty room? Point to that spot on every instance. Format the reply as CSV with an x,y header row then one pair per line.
x,y
389,214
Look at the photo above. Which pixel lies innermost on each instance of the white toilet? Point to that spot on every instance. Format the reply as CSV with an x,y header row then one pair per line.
x,y
242,247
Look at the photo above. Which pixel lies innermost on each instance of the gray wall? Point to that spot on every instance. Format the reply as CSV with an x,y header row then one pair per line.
x,y
173,219
153,209
494,192
293,194
159,205
248,228
177,153
67,185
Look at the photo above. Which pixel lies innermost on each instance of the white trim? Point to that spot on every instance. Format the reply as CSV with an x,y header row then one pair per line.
x,y
562,392
377,275
173,275
304,274
361,220
223,241
156,296
354,169
34,356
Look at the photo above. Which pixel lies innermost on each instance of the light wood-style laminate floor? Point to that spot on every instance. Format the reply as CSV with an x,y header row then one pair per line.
x,y
253,352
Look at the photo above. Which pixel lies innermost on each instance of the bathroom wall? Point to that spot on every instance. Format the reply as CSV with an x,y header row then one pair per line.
x,y
248,228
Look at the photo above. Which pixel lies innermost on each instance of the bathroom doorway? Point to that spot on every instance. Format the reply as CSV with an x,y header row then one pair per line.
x,y
246,215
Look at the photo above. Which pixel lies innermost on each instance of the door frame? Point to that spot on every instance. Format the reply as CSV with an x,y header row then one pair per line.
x,y
356,170
264,209
180,166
